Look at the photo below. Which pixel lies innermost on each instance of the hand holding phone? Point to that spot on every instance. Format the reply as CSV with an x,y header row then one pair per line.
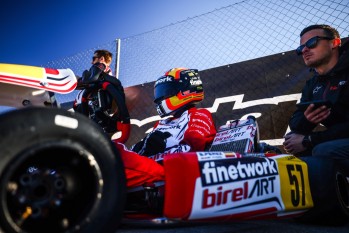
x,y
317,103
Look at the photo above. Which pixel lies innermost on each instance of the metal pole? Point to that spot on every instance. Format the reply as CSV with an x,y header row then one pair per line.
x,y
117,57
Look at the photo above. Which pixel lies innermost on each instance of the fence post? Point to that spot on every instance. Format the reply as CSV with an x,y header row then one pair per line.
x,y
117,57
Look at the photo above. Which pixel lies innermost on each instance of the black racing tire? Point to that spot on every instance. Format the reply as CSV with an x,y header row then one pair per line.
x,y
58,173
330,191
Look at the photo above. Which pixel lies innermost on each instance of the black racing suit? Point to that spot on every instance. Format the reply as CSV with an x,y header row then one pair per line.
x,y
97,77
334,87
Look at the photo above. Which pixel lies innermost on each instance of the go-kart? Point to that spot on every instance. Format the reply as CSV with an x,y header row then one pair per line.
x,y
59,172
241,178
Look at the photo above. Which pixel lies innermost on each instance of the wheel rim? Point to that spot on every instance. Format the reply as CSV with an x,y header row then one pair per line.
x,y
51,187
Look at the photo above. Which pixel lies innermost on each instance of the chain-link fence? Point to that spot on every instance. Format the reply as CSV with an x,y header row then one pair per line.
x,y
239,32
243,49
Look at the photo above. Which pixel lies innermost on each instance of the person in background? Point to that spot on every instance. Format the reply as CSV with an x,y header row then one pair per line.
x,y
100,76
321,49
101,62
185,129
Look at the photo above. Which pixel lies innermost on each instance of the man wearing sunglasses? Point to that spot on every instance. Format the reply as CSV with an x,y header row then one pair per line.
x,y
322,51
100,77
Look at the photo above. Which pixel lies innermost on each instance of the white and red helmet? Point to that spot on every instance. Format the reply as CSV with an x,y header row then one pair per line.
x,y
177,89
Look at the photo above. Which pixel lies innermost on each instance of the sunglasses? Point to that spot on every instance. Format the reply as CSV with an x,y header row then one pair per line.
x,y
94,58
311,43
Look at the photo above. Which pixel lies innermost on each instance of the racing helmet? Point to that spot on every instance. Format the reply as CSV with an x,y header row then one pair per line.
x,y
177,89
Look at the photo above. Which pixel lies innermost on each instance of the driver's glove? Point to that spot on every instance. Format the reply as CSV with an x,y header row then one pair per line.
x,y
154,143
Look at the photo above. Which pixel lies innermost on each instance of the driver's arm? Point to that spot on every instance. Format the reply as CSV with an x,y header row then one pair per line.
x,y
201,130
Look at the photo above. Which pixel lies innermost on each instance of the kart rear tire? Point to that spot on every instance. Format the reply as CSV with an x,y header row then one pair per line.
x,y
330,192
58,173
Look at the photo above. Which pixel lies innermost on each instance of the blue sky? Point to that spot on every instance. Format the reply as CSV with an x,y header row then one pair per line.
x,y
34,32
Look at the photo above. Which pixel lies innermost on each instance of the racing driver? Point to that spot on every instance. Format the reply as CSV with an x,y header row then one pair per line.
x,y
185,129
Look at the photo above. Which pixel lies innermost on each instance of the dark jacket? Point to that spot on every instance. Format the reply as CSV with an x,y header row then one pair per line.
x,y
99,78
334,87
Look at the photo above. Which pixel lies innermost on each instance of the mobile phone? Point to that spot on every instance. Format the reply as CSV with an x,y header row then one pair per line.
x,y
317,103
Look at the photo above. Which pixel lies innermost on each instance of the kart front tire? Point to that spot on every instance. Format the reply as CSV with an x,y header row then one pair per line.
x,y
58,173
330,191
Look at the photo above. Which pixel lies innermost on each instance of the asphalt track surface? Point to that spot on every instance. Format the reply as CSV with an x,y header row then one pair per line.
x,y
265,226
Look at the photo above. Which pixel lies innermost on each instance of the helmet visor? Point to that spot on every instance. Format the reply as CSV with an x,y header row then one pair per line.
x,y
165,90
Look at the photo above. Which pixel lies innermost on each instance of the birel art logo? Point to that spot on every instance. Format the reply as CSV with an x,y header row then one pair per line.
x,y
241,179
225,171
224,194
